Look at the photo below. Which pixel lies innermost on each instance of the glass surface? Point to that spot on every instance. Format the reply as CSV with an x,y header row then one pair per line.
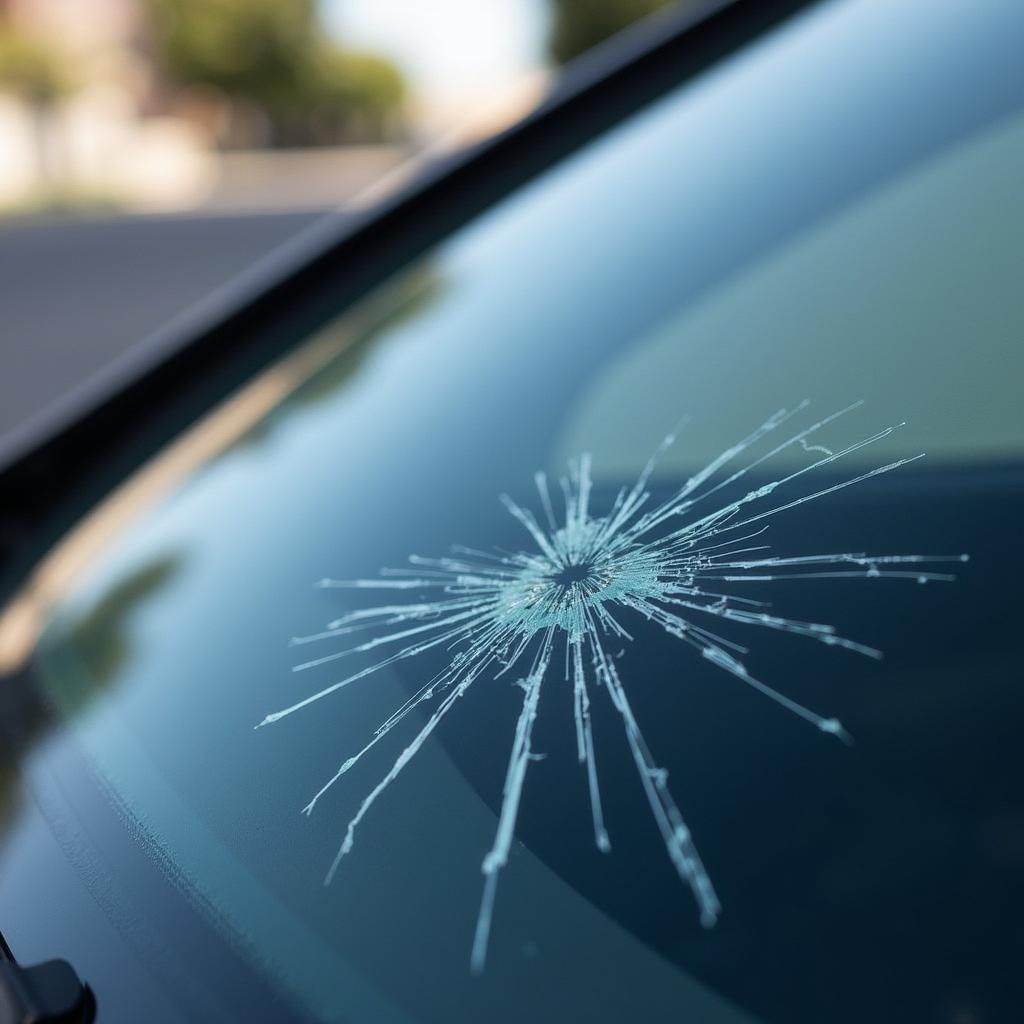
x,y
832,215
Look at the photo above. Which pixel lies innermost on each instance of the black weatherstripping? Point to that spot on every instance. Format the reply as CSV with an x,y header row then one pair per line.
x,y
117,419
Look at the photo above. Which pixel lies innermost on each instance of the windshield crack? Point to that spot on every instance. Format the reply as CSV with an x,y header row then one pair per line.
x,y
567,599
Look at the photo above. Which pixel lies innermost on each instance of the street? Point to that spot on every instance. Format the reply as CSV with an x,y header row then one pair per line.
x,y
75,292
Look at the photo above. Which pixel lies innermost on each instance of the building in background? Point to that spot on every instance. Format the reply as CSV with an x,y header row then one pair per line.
x,y
80,121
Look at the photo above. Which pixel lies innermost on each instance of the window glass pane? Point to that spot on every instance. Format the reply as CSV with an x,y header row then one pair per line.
x,y
801,223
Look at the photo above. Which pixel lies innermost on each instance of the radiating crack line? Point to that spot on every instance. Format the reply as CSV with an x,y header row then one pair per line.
x,y
502,613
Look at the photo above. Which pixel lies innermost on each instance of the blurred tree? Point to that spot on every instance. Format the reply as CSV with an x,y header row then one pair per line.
x,y
273,56
577,25
30,67
246,49
36,71
357,95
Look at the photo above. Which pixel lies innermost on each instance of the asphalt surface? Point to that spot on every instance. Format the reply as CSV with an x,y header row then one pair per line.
x,y
74,293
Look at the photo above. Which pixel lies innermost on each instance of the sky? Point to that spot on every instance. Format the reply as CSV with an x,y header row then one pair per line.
x,y
454,53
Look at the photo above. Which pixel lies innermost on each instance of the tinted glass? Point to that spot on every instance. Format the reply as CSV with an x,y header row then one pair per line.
x,y
832,215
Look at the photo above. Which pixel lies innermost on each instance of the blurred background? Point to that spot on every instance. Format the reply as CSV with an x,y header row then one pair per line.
x,y
150,149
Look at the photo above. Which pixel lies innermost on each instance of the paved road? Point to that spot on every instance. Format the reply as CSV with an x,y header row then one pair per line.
x,y
75,293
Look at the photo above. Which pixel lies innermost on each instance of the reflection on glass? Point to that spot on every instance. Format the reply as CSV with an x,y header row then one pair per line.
x,y
103,643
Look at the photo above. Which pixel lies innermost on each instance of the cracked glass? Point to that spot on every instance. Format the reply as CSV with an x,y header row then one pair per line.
x,y
804,269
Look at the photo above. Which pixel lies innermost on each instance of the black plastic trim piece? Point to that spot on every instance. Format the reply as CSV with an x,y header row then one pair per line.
x,y
46,993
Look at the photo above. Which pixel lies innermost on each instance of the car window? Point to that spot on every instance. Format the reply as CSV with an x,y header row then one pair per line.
x,y
768,332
